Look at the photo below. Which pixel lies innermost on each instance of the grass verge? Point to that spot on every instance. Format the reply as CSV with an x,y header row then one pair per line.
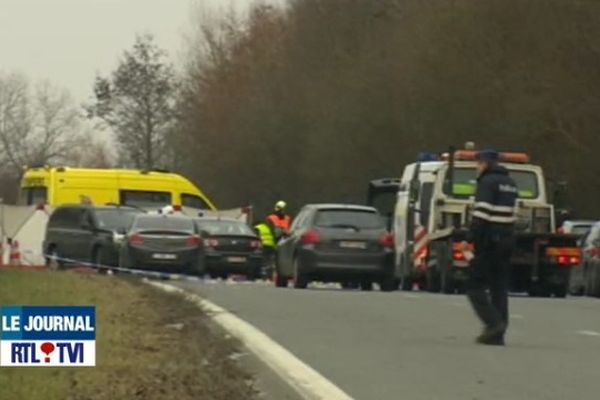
x,y
150,345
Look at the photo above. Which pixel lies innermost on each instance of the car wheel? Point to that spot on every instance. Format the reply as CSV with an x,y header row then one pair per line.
x,y
560,291
300,280
53,259
388,284
98,260
448,285
366,286
594,281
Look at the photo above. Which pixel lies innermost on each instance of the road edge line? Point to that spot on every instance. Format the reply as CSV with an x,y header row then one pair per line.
x,y
305,380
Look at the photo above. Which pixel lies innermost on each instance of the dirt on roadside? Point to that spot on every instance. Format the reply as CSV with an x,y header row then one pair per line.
x,y
150,345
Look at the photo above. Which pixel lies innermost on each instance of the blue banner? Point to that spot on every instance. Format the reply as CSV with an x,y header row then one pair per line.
x,y
47,323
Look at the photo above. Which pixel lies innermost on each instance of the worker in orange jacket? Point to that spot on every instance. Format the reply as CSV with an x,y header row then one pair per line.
x,y
279,220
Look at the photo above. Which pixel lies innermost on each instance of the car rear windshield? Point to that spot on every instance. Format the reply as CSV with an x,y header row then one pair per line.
x,y
343,218
215,228
115,219
163,223
465,183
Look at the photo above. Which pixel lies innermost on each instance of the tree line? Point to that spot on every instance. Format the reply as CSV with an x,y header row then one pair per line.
x,y
310,102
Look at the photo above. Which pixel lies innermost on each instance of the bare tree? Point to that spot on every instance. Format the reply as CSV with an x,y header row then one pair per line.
x,y
37,126
137,103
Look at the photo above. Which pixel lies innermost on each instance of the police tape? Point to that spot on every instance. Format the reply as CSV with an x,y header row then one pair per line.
x,y
133,271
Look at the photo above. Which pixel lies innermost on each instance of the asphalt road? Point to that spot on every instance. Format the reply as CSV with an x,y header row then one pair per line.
x,y
378,346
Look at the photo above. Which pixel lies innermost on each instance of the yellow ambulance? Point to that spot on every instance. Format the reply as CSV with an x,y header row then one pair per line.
x,y
147,189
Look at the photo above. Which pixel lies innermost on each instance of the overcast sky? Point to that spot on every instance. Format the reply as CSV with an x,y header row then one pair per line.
x,y
69,41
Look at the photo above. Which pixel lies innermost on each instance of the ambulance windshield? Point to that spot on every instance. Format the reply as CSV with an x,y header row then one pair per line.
x,y
465,183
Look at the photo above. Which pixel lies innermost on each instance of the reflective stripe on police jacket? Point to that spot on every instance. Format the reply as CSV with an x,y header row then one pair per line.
x,y
491,213
496,197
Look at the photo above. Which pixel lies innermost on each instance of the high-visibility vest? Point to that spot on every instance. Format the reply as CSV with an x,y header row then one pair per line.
x,y
266,235
282,223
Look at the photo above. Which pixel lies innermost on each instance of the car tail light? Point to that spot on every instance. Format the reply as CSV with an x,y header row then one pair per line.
x,y
194,241
387,241
176,207
595,251
565,255
459,255
561,230
310,237
136,239
568,260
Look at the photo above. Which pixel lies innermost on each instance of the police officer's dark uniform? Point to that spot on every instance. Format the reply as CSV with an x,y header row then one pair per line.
x,y
492,232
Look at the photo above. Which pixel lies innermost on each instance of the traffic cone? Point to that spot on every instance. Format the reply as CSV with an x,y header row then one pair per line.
x,y
15,254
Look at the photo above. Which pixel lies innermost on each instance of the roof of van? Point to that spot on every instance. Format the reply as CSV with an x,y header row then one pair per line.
x,y
101,170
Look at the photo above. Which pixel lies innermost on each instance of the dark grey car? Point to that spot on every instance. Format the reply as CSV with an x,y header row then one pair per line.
x,y
161,242
230,247
85,233
337,243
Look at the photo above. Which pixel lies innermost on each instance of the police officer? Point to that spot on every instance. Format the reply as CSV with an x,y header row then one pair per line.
x,y
491,232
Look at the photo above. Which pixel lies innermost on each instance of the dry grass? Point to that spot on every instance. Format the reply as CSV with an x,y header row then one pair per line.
x,y
150,345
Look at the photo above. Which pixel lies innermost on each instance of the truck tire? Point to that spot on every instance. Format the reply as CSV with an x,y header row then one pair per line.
x,y
448,284
407,284
593,282
433,283
388,284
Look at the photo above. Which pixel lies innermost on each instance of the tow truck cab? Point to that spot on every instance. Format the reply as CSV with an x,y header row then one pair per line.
x,y
437,196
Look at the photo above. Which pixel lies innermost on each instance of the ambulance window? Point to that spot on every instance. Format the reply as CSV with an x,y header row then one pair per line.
x,y
139,198
193,201
425,202
33,196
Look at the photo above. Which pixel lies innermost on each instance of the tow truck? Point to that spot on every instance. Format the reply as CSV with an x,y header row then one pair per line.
x,y
433,207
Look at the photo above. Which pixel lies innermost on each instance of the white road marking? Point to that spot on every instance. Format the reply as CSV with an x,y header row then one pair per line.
x,y
589,333
309,384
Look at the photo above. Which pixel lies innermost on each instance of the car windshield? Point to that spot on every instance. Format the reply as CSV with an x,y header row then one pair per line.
x,y
465,183
340,218
216,228
163,223
114,219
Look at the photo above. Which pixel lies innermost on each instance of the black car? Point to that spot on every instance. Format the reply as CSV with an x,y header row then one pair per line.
x,y
337,243
162,242
86,233
230,247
